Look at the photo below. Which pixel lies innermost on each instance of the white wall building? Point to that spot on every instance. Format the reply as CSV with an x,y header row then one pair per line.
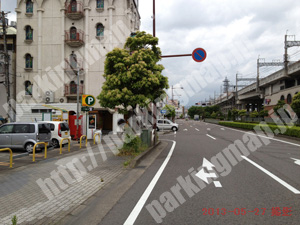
x,y
58,37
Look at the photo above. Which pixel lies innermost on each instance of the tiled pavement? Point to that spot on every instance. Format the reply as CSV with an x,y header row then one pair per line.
x,y
46,191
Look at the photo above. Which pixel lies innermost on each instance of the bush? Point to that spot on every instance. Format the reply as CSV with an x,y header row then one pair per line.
x,y
290,131
131,147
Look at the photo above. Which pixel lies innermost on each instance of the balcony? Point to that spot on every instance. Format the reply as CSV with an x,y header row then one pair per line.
x,y
74,38
71,90
74,10
72,66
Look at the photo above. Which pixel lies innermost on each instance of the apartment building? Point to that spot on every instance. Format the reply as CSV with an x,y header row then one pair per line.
x,y
59,40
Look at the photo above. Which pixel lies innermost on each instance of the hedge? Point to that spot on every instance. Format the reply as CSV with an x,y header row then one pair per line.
x,y
290,131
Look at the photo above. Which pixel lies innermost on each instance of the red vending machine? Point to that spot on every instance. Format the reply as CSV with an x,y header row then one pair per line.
x,y
73,127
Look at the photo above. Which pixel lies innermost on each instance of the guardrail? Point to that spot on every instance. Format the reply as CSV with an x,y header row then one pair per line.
x,y
33,152
10,157
85,140
97,134
69,143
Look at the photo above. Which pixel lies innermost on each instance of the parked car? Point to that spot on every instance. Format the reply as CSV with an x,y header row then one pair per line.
x,y
23,135
59,130
165,124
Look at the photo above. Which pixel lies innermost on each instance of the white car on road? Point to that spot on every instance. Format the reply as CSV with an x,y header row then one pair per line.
x,y
165,124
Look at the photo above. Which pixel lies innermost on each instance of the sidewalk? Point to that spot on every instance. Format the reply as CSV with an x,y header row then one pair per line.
x,y
46,191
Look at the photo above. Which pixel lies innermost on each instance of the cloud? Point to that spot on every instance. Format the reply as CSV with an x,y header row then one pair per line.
x,y
233,32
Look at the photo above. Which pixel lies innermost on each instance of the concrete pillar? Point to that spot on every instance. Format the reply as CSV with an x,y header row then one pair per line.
x,y
111,7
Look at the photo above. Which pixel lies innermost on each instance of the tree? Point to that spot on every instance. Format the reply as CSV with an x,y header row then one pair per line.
x,y
254,114
229,115
132,74
170,111
242,113
195,110
296,104
213,115
235,113
263,113
279,105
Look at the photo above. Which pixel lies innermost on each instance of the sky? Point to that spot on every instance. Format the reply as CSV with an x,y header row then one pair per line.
x,y
234,34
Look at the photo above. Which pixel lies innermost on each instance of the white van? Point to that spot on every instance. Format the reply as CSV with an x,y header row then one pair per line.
x,y
59,130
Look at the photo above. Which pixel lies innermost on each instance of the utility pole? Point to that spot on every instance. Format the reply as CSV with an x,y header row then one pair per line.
x,y
6,65
77,113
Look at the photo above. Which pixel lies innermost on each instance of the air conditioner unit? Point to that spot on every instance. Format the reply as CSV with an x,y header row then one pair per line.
x,y
49,96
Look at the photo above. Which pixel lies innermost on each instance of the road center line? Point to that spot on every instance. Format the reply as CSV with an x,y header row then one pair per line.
x,y
138,207
210,136
292,189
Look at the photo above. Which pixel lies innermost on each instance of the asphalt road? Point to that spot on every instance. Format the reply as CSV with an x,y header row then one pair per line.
x,y
263,188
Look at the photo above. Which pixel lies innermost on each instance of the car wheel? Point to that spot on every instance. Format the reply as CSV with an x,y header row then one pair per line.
x,y
55,143
174,128
29,147
157,129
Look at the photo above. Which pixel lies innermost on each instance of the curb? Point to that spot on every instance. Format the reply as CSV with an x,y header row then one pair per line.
x,y
139,158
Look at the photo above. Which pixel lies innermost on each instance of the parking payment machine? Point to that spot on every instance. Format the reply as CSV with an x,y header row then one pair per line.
x,y
91,125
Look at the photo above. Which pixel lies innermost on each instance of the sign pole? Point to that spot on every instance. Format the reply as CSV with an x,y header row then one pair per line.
x,y
77,114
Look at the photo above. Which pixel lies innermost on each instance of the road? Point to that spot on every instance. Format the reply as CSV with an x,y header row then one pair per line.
x,y
262,188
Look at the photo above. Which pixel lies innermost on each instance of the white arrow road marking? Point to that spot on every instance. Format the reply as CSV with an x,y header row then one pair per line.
x,y
138,207
297,161
203,176
210,136
207,164
196,129
292,189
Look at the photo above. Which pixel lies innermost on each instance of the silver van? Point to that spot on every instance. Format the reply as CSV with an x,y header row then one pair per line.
x,y
22,135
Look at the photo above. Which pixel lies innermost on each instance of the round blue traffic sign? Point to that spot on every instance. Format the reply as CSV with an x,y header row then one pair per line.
x,y
199,54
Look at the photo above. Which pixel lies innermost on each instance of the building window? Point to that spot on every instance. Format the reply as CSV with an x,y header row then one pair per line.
x,y
28,61
73,6
100,30
100,4
73,61
282,97
289,99
29,6
73,33
73,88
29,33
28,87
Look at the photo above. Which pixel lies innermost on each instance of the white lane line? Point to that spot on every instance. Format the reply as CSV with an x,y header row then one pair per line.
x,y
191,126
138,207
252,132
222,128
208,128
196,129
217,184
184,129
282,182
210,136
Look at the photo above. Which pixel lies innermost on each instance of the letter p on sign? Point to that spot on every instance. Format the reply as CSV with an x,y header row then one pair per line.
x,y
88,100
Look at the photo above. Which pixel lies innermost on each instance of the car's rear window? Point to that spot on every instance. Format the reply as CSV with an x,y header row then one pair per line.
x,y
64,127
52,126
44,128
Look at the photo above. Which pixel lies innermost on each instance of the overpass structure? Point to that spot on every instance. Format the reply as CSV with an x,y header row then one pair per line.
x,y
281,85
